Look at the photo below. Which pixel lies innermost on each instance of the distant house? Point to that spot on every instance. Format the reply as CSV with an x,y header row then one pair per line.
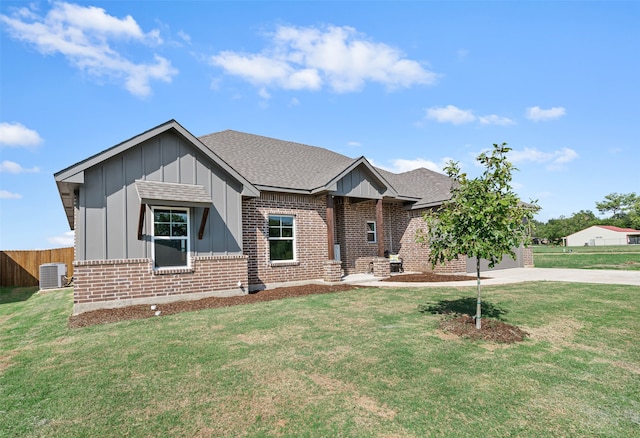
x,y
166,216
601,235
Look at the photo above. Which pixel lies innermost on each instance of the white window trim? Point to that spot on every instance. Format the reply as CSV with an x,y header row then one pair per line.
x,y
294,239
153,238
374,232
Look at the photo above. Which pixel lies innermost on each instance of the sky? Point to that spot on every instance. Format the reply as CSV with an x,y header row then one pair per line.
x,y
405,84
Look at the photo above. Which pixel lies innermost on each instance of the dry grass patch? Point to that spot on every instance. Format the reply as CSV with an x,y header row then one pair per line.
x,y
559,333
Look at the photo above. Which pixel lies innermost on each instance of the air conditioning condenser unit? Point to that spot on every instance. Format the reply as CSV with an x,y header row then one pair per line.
x,y
52,275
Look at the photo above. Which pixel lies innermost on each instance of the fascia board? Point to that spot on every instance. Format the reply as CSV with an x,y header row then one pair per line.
x,y
114,150
283,190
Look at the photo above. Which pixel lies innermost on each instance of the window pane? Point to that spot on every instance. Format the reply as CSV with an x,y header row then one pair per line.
x,y
287,232
371,226
170,253
371,237
287,221
179,230
162,216
178,216
161,230
274,232
281,249
274,221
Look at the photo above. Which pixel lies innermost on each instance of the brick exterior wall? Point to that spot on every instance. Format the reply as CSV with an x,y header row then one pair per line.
x,y
356,253
110,283
310,231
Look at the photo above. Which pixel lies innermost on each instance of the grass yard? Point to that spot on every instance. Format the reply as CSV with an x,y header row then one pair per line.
x,y
360,363
626,257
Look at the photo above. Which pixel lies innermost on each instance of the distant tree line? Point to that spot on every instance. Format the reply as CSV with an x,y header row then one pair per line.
x,y
624,211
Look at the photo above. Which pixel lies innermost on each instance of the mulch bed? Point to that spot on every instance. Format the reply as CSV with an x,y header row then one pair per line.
x,y
492,330
103,316
461,325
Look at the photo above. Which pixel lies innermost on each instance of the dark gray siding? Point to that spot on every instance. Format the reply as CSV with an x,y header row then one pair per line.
x,y
358,183
109,205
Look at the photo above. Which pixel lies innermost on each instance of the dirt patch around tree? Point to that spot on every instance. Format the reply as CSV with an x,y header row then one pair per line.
x,y
491,330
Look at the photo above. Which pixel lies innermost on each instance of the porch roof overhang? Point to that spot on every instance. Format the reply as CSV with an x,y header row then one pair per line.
x,y
172,194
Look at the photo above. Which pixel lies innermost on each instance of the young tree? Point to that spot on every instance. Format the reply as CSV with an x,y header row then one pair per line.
x,y
484,218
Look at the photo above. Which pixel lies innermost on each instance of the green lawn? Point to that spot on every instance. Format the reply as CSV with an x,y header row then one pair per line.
x,y
359,363
626,257
550,249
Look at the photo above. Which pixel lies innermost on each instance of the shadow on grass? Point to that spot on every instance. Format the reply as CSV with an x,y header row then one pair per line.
x,y
466,306
15,294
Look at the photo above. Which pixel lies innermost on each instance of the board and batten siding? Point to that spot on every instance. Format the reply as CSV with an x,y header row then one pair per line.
x,y
358,183
109,205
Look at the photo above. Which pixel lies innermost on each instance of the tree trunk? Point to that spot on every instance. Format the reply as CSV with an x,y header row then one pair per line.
x,y
479,303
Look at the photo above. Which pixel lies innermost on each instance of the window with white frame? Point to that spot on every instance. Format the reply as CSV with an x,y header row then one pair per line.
x,y
281,238
170,237
371,232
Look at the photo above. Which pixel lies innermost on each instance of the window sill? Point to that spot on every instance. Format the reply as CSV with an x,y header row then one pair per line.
x,y
278,263
176,270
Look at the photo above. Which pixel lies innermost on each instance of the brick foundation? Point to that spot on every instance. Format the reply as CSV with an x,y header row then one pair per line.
x,y
115,283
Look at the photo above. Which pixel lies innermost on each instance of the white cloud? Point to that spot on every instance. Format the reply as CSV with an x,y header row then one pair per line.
x,y
453,114
264,94
538,114
565,155
354,144
495,120
9,195
85,35
12,167
553,160
184,36
17,135
400,165
65,239
450,114
294,102
309,58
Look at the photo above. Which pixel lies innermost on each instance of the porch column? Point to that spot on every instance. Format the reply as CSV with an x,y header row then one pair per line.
x,y
330,228
379,228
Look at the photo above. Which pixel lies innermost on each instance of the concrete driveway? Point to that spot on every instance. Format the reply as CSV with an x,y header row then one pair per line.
x,y
519,275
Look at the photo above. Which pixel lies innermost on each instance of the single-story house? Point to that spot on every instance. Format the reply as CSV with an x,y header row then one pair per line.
x,y
165,216
601,235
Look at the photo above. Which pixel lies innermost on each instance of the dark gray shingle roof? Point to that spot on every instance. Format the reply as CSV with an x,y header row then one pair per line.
x,y
276,163
427,186
269,162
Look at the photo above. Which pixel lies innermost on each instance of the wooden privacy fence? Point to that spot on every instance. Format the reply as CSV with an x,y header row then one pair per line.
x,y
22,268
